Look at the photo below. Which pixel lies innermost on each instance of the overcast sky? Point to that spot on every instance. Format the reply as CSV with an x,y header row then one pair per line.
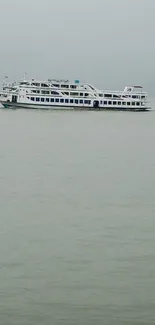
x,y
109,43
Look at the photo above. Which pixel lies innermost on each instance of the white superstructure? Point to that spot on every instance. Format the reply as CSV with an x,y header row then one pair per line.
x,y
63,94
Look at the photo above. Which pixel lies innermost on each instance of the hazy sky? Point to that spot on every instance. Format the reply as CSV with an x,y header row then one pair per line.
x,y
108,43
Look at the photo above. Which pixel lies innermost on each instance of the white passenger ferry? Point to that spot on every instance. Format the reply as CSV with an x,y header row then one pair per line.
x,y
63,94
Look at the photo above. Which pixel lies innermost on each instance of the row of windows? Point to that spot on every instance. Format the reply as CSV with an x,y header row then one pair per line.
x,y
110,95
81,101
47,92
65,86
37,84
120,103
60,100
117,96
76,94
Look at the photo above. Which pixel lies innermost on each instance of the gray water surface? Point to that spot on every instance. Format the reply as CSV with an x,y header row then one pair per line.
x,y
77,218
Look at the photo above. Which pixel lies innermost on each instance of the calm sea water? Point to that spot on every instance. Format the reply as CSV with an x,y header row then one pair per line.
x,y
77,218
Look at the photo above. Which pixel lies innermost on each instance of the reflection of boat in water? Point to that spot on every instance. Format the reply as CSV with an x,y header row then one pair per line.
x,y
63,94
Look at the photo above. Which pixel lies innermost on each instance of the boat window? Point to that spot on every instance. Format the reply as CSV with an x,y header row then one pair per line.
x,y
36,84
138,104
57,100
87,102
114,103
108,95
66,93
47,99
81,101
109,103
54,93
101,102
44,85
119,103
65,86
128,103
142,97
36,91
32,98
100,95
115,96
81,94
73,86
52,100
71,101
66,100
56,85
42,99
24,83
124,103
133,103
86,94
45,92
76,101
105,102
134,96
73,94
61,100
37,99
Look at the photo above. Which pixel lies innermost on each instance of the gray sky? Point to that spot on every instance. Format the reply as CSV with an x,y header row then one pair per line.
x,y
109,43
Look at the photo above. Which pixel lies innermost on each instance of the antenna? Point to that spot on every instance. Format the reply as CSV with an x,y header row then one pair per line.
x,y
4,81
24,79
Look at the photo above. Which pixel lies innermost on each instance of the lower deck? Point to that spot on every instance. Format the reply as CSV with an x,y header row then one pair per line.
x,y
60,102
16,105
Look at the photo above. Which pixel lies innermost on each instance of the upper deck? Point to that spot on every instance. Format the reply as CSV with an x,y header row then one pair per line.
x,y
73,88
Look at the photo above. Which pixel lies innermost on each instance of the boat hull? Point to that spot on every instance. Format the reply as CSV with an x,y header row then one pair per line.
x,y
12,105
34,106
